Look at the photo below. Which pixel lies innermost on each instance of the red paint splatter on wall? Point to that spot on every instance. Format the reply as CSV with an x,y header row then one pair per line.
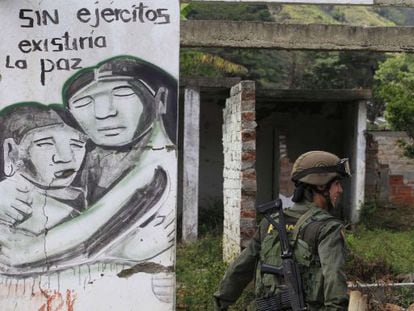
x,y
70,299
55,301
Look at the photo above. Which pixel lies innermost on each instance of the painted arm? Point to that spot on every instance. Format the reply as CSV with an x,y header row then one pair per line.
x,y
86,234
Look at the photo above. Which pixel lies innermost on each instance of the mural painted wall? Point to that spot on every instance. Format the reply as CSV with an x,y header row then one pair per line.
x,y
88,117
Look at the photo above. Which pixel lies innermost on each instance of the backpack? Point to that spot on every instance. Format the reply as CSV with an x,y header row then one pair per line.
x,y
303,233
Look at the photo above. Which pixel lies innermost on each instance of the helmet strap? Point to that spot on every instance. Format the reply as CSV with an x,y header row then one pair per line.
x,y
299,192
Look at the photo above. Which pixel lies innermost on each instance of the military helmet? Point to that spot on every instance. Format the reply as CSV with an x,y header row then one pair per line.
x,y
319,168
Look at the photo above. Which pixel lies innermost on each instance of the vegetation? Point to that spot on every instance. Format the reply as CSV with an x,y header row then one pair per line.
x,y
387,249
199,271
291,69
303,69
194,63
395,85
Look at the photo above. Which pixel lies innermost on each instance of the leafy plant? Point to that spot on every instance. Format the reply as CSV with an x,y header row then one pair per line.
x,y
395,85
184,10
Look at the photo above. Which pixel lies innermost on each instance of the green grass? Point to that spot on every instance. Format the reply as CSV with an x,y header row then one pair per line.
x,y
199,270
393,249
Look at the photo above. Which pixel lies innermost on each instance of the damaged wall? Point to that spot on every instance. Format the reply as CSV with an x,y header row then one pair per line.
x,y
88,174
389,174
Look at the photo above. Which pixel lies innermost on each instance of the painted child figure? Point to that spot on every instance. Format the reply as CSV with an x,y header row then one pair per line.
x,y
41,157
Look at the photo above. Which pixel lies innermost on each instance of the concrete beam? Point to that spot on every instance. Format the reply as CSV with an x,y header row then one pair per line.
x,y
267,35
396,3
312,95
209,82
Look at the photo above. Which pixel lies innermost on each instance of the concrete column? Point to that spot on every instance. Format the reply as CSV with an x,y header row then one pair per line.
x,y
191,147
358,161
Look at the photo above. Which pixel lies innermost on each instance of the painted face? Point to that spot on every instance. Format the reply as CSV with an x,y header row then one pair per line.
x,y
335,192
108,112
52,155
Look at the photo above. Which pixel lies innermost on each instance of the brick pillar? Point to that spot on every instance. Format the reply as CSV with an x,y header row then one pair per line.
x,y
239,173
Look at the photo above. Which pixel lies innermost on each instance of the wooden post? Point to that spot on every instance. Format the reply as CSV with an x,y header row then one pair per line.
x,y
357,301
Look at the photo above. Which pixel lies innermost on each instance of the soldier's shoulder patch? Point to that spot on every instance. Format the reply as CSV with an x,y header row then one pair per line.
x,y
290,227
270,229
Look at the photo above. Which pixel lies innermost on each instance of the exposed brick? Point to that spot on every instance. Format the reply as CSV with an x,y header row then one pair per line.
x,y
401,199
403,190
248,116
248,156
248,206
249,174
248,213
248,96
248,135
396,179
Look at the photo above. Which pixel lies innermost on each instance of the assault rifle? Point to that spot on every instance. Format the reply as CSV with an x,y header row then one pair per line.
x,y
293,297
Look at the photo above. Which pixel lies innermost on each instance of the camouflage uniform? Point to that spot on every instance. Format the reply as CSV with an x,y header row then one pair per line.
x,y
319,248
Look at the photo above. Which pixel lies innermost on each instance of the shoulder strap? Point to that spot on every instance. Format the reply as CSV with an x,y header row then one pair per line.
x,y
310,234
302,219
291,213
311,231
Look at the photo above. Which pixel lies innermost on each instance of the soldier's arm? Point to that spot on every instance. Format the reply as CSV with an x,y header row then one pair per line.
x,y
239,274
332,254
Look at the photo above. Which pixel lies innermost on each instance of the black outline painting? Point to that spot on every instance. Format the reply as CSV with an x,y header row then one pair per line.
x,y
86,182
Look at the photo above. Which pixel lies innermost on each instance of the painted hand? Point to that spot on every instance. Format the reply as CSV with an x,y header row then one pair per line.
x,y
16,202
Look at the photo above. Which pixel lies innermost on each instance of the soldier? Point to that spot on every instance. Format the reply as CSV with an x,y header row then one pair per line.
x,y
317,238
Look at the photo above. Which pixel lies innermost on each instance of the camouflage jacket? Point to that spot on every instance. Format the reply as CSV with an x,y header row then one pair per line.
x,y
319,248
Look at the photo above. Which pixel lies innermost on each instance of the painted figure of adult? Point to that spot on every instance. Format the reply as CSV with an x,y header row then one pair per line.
x,y
319,245
121,105
127,107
